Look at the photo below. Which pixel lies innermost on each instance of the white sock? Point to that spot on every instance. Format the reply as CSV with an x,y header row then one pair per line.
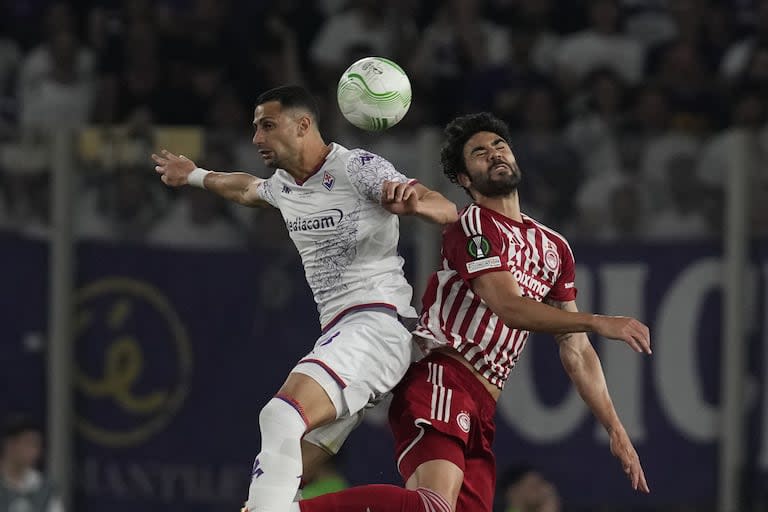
x,y
277,470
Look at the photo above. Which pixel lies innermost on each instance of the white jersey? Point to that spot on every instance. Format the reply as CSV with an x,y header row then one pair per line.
x,y
346,239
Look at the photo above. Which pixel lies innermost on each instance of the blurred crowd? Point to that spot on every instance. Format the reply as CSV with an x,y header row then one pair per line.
x,y
621,110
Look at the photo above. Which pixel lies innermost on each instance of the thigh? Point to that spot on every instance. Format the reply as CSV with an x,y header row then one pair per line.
x,y
330,437
359,360
309,398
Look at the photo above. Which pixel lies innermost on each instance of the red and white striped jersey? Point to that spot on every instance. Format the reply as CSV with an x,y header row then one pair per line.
x,y
483,241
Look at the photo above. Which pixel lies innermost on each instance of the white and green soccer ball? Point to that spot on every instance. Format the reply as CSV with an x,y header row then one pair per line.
x,y
374,93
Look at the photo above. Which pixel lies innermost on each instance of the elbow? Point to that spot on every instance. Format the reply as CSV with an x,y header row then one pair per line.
x,y
571,357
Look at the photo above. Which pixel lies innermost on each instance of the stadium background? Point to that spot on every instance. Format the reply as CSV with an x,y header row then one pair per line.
x,y
640,127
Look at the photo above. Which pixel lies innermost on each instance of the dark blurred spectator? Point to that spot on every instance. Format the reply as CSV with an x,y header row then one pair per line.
x,y
10,58
756,72
595,131
648,21
531,27
120,206
275,63
198,219
627,216
705,26
367,27
25,167
523,489
749,112
600,45
683,76
57,69
22,487
456,47
304,18
738,55
62,95
684,216
552,169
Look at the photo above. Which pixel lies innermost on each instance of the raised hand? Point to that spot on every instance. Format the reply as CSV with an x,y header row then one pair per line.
x,y
633,332
173,169
399,198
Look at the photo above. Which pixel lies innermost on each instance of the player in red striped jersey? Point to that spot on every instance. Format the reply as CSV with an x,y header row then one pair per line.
x,y
503,275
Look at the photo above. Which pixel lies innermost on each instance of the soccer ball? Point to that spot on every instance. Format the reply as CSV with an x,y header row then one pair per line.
x,y
374,93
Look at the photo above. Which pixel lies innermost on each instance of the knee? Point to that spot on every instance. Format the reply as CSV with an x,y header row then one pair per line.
x,y
282,417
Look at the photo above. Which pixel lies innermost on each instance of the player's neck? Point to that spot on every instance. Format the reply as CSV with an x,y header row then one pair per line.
x,y
508,205
310,159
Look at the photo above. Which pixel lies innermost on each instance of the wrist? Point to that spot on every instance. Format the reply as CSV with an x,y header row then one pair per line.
x,y
196,178
593,323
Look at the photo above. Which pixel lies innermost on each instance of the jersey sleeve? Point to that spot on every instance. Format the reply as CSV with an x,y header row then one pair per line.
x,y
475,246
564,289
368,172
266,191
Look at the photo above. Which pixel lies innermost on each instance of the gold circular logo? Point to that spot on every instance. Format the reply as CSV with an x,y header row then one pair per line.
x,y
134,361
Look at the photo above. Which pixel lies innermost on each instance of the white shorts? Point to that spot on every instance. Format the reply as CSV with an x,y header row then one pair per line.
x,y
357,363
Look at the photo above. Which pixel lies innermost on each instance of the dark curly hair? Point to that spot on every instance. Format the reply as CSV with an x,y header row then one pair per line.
x,y
458,132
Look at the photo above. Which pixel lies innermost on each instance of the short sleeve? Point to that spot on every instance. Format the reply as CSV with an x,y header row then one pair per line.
x,y
265,191
475,246
564,289
368,172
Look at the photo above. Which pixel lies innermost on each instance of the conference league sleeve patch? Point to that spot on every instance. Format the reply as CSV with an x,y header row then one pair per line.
x,y
484,264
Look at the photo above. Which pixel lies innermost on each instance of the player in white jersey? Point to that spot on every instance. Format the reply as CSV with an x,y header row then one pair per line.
x,y
498,267
340,207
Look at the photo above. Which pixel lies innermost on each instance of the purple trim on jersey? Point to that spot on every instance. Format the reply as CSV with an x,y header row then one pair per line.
x,y
382,307
296,405
328,369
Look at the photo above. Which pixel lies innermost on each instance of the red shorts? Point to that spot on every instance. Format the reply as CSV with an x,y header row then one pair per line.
x,y
440,410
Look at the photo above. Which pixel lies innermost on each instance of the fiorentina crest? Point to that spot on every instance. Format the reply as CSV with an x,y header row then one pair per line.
x,y
328,180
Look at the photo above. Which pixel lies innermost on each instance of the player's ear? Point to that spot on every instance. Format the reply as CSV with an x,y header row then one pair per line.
x,y
304,124
464,180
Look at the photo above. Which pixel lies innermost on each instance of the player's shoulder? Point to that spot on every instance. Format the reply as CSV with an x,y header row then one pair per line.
x,y
359,158
551,234
475,220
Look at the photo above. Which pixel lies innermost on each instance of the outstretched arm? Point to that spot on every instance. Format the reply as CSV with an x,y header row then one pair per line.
x,y
178,170
502,294
583,367
416,199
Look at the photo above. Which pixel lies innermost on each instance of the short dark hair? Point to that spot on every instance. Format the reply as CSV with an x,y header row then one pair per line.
x,y
17,424
458,132
291,96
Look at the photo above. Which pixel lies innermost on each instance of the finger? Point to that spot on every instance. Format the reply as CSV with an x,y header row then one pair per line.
x,y
158,159
392,191
168,154
630,340
642,338
408,193
645,333
160,169
640,334
164,179
400,192
385,191
643,483
634,476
